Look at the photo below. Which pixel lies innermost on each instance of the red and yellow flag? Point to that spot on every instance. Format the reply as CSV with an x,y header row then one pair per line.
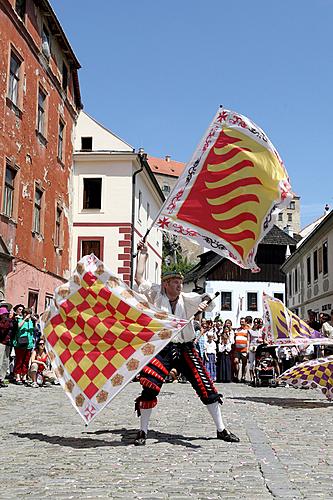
x,y
228,192
99,334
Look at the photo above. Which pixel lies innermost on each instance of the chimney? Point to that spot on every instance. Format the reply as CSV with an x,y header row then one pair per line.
x,y
167,158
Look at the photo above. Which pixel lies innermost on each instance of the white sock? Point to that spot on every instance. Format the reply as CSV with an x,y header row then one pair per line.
x,y
144,419
215,411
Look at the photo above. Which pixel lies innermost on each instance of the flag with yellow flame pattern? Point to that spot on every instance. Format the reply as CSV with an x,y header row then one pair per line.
x,y
283,327
226,197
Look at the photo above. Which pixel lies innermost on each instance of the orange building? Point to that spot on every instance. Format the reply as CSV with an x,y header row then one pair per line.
x,y
39,105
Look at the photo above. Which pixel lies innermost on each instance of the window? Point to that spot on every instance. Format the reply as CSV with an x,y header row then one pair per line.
x,y
86,143
91,246
46,42
58,228
278,296
156,273
320,260
33,300
8,195
296,280
226,301
49,300
20,8
308,270
325,257
38,211
252,301
315,265
290,217
292,205
140,205
166,189
92,193
148,211
64,82
280,216
61,139
289,285
41,112
14,79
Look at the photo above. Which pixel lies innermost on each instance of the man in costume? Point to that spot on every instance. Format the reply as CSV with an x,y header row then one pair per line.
x,y
179,354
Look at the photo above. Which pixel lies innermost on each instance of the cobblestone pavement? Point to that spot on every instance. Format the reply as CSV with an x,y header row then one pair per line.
x,y
286,448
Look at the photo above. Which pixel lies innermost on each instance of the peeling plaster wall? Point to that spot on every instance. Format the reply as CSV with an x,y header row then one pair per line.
x,y
35,159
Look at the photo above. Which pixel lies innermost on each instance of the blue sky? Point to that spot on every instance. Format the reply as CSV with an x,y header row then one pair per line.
x,y
154,72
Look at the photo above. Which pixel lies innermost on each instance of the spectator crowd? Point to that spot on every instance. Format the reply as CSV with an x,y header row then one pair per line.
x,y
23,358
230,353
233,353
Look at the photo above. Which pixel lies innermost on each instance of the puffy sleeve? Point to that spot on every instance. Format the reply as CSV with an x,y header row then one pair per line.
x,y
149,290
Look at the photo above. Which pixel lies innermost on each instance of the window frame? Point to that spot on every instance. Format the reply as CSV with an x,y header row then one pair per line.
x,y
41,123
315,265
289,217
90,238
11,189
58,228
84,191
38,209
85,138
227,304
17,102
308,271
61,140
248,302
325,258
18,9
139,205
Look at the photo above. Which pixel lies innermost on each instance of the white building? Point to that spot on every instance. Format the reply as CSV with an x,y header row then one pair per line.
x,y
309,271
115,199
240,290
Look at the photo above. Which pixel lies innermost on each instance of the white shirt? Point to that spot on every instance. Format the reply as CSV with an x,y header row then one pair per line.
x,y
186,306
327,329
210,347
224,347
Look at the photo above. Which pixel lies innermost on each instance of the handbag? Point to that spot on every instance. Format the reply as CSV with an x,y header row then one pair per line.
x,y
22,341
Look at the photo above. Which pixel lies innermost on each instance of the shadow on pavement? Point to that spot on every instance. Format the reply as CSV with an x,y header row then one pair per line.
x,y
285,402
127,438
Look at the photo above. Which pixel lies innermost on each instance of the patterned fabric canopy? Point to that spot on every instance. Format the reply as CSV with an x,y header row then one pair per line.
x,y
228,192
314,374
99,334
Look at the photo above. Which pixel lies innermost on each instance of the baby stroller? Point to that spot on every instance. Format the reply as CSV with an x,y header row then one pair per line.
x,y
265,366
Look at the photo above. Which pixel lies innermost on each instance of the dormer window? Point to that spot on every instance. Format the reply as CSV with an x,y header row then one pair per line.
x,y
20,8
46,47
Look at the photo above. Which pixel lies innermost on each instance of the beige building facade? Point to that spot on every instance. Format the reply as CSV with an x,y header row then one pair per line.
x,y
115,198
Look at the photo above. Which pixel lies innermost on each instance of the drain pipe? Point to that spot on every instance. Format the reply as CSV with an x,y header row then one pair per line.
x,y
142,156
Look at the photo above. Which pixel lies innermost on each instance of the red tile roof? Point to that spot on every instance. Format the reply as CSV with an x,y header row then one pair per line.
x,y
165,166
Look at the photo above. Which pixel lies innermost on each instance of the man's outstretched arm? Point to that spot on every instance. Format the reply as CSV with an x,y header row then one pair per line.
x,y
141,262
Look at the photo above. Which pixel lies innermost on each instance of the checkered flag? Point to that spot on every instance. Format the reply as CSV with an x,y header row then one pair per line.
x,y
99,334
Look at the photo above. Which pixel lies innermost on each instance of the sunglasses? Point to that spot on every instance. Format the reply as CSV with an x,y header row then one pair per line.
x,y
41,343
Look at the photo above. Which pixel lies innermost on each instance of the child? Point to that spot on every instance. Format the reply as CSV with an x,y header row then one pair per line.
x,y
210,356
224,357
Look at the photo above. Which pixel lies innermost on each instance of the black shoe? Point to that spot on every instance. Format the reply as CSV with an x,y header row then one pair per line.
x,y
227,436
140,439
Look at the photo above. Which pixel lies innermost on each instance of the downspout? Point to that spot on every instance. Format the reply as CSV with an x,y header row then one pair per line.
x,y
142,157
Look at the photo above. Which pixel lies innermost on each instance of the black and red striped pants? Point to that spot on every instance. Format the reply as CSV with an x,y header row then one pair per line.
x,y
186,360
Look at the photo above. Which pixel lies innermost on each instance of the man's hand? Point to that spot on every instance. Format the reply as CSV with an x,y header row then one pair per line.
x,y
142,247
203,305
